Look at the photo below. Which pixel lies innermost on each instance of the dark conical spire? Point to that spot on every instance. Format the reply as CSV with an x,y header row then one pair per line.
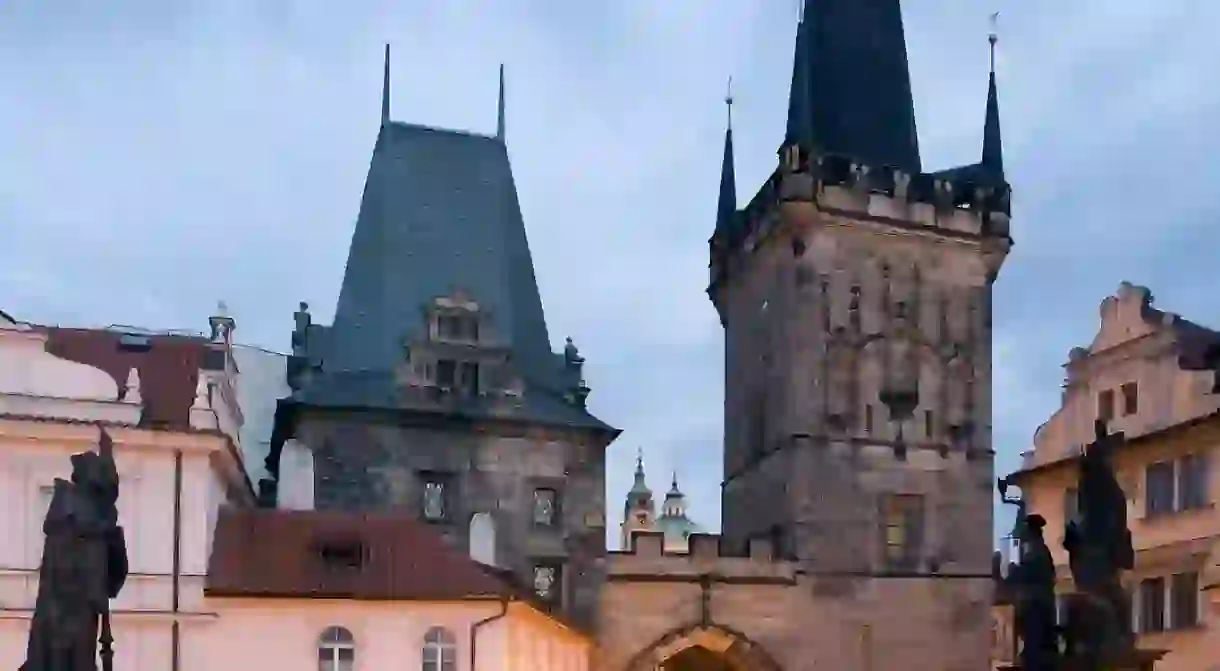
x,y
851,89
726,209
993,146
500,108
385,88
799,117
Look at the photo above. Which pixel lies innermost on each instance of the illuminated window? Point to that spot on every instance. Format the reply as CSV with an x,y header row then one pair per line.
x,y
902,520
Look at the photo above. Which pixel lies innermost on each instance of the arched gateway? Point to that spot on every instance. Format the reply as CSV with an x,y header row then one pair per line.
x,y
703,648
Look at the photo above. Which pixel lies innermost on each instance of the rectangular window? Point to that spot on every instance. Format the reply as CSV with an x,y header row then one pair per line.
x,y
1152,605
470,378
1193,482
929,424
435,498
1131,398
1184,600
548,583
903,529
1158,488
1071,505
1105,405
446,373
868,418
546,507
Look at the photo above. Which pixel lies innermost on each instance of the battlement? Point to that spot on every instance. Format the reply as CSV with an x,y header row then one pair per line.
x,y
963,202
647,557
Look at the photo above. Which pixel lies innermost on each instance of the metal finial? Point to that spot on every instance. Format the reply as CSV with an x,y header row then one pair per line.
x,y
994,36
728,100
639,458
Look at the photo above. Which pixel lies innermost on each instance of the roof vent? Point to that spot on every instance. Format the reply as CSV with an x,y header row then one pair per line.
x,y
344,555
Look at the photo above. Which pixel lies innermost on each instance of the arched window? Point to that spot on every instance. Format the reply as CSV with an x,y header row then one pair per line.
x,y
336,650
440,650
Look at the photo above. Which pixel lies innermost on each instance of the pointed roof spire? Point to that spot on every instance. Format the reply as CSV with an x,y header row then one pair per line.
x,y
385,88
799,116
674,492
726,208
851,88
500,108
639,486
993,146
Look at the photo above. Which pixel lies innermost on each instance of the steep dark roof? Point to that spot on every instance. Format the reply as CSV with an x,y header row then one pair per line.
x,y
280,553
439,214
855,99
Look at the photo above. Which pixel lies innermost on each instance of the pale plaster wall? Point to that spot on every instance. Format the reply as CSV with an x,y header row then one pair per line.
x,y
283,634
34,453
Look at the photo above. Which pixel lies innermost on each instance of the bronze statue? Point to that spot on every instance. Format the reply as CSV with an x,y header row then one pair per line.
x,y
84,565
1035,608
1100,549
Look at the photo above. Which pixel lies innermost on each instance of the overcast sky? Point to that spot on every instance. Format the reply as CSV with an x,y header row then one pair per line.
x,y
156,157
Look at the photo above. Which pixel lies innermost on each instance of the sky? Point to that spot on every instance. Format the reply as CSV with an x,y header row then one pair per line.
x,y
157,157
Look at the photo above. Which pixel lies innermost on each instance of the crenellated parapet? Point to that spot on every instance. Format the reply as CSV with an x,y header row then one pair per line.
x,y
966,202
706,556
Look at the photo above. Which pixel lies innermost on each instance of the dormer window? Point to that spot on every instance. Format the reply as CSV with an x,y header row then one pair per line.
x,y
446,373
460,327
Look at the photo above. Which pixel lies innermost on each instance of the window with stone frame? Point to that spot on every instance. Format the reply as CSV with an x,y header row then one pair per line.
x,y
1105,405
1131,398
1184,600
1193,477
548,582
457,327
446,373
436,497
902,526
1159,480
546,507
468,378
1152,605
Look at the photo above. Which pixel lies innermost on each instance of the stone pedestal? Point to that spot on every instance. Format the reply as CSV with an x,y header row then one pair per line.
x,y
1136,660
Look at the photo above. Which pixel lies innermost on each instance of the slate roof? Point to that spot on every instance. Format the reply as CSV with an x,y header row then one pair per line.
x,y
850,93
855,99
280,553
439,214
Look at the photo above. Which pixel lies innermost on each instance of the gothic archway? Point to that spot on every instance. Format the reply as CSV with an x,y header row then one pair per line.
x,y
709,647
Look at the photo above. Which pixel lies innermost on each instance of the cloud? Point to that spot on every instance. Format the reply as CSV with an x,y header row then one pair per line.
x,y
161,156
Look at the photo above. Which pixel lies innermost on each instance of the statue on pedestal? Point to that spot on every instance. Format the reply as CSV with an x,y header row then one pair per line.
x,y
1034,578
84,565
1100,550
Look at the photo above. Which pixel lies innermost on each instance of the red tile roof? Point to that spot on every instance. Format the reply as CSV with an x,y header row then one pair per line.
x,y
169,369
280,553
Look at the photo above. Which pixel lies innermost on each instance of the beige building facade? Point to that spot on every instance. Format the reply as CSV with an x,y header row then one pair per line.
x,y
1152,375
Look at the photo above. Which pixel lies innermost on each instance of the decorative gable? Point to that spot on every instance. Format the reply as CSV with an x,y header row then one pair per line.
x,y
1126,316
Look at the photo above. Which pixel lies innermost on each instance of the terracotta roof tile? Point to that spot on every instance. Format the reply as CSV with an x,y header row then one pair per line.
x,y
169,368
304,554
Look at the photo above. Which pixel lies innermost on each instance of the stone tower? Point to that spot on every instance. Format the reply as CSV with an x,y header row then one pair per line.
x,y
435,390
855,294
